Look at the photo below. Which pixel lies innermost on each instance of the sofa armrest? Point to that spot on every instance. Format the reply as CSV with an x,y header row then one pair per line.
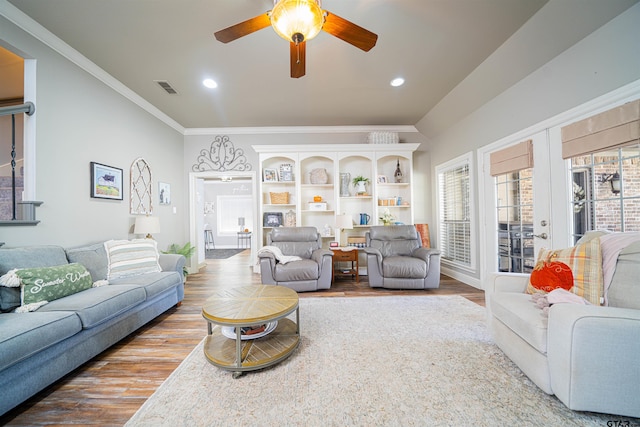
x,y
267,268
425,254
319,254
172,262
593,357
506,282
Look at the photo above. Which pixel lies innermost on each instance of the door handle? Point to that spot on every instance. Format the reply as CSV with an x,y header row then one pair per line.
x,y
541,236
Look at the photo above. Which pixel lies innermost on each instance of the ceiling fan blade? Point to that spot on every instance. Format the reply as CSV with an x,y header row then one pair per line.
x,y
298,54
349,32
243,28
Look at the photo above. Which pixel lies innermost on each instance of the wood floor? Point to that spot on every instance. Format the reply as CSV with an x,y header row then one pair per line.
x,y
109,389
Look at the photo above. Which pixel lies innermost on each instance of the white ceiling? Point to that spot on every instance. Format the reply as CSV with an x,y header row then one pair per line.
x,y
433,44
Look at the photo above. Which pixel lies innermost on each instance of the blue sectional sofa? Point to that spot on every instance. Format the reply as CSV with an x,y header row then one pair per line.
x,y
37,348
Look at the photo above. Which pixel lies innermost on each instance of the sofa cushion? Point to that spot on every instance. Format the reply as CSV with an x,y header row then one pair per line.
x,y
27,257
153,283
93,257
404,266
624,291
131,257
395,240
305,269
97,305
585,261
30,257
24,334
517,312
51,283
9,299
548,276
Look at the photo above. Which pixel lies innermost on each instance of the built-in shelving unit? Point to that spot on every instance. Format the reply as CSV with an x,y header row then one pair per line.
x,y
319,171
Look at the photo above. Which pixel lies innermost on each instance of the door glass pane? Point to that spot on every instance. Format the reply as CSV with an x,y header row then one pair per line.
x,y
515,221
606,191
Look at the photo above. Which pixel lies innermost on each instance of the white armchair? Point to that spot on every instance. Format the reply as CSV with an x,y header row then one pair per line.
x,y
587,355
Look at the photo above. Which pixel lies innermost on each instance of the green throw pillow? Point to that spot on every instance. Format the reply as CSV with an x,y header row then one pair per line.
x,y
51,283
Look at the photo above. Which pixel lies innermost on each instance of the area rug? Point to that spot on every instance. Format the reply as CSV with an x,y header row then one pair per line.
x,y
369,361
222,253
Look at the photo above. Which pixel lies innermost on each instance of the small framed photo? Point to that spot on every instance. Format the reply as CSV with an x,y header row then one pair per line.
x,y
106,181
382,179
333,244
272,219
286,172
269,175
164,192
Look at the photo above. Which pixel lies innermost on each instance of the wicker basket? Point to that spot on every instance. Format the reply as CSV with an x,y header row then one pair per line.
x,y
279,198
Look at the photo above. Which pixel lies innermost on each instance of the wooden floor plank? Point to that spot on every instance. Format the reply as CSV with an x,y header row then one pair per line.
x,y
110,388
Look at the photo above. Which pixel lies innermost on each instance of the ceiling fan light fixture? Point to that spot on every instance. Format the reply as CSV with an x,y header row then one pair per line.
x,y
292,18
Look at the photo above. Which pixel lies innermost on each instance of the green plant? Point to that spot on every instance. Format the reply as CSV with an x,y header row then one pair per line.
x,y
359,178
187,251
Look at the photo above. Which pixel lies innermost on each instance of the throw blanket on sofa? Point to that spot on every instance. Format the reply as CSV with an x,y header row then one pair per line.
x,y
612,244
277,253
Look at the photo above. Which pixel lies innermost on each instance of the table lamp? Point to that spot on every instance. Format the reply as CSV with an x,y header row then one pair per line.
x,y
343,222
147,225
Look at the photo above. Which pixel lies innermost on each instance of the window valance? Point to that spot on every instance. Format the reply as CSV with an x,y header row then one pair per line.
x,y
614,128
512,159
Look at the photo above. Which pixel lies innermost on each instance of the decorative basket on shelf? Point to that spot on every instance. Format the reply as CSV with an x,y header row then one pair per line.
x,y
279,198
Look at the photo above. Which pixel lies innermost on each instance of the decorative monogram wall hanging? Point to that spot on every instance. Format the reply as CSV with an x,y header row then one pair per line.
x,y
222,156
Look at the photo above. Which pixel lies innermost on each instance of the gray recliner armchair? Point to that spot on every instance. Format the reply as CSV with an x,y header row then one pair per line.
x,y
397,260
310,273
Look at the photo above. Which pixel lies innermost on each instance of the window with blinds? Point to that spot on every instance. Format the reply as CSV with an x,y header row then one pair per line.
x,y
455,214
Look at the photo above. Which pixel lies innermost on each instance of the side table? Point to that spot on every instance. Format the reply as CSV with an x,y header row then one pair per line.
x,y
348,254
244,239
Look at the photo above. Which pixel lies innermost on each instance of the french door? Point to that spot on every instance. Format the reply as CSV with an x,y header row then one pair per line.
x,y
524,209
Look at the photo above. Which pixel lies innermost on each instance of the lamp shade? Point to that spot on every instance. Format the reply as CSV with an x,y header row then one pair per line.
x,y
241,221
344,222
297,17
147,225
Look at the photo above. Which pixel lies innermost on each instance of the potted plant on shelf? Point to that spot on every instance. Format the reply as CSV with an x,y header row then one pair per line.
x,y
360,183
187,251
387,218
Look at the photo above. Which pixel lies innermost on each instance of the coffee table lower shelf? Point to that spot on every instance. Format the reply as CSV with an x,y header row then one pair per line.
x,y
255,354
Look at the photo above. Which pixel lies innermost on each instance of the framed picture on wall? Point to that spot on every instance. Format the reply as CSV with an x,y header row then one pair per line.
x,y
164,192
106,181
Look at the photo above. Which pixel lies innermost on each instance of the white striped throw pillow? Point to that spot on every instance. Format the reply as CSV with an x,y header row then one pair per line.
x,y
131,257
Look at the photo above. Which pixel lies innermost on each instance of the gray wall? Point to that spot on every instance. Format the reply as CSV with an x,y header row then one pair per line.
x,y
79,120
604,61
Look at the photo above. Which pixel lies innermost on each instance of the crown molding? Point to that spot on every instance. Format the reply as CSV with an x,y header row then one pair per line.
x,y
27,24
300,130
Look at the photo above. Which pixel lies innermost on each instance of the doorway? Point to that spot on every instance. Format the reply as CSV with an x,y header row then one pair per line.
x,y
217,201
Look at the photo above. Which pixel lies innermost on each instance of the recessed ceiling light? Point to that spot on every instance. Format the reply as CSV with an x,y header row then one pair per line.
x,y
211,84
399,81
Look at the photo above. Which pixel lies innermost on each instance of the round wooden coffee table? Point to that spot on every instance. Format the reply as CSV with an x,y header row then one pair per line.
x,y
247,306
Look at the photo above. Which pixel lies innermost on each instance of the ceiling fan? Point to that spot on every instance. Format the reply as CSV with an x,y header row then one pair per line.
x,y
298,21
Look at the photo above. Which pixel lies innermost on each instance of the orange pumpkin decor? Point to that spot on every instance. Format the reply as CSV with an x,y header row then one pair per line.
x,y
547,276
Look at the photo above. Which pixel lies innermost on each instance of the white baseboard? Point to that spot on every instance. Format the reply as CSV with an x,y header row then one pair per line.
x,y
464,278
